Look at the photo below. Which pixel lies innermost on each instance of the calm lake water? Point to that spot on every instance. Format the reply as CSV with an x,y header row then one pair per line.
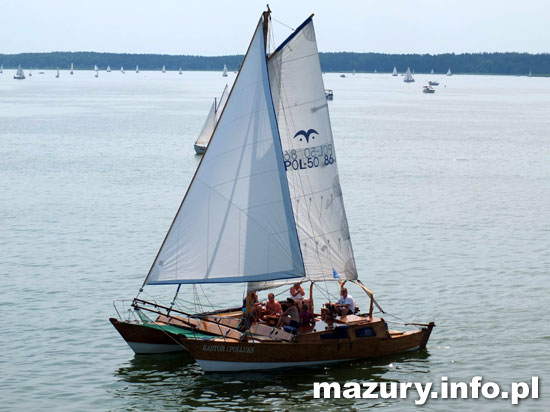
x,y
448,201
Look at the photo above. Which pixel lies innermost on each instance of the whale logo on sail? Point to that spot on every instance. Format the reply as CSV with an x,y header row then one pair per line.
x,y
307,135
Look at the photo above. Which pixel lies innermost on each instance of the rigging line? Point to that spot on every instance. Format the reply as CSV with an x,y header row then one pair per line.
x,y
283,24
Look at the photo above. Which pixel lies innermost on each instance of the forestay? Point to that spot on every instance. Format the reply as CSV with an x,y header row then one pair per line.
x,y
310,159
236,222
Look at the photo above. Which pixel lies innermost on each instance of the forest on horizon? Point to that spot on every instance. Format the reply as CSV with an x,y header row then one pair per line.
x,y
467,63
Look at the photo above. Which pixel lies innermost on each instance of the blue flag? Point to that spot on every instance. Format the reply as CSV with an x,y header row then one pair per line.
x,y
335,274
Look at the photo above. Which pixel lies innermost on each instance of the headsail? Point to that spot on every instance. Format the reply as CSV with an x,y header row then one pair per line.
x,y
309,158
236,223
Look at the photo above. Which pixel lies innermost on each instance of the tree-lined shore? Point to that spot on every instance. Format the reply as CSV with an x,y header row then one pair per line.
x,y
467,63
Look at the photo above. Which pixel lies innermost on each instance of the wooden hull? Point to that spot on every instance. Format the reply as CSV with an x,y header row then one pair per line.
x,y
145,340
220,356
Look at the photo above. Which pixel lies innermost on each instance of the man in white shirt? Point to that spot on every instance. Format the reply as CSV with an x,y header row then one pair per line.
x,y
345,305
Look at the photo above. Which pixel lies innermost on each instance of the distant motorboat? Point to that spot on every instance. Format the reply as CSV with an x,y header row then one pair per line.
x,y
108,69
428,89
329,94
449,72
408,76
137,68
72,69
224,74
57,74
394,71
20,75
342,75
164,69
432,83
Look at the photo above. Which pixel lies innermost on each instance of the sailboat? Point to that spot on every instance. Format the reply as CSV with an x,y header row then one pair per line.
x,y
449,72
164,69
354,71
1,69
432,72
394,73
137,68
122,69
57,74
30,71
180,72
72,69
20,75
408,76
108,69
96,71
210,124
224,74
530,74
267,191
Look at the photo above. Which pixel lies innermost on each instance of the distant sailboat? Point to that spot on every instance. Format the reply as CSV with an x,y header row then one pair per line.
x,y
57,75
180,72
211,121
20,75
432,72
164,69
122,69
108,69
376,71
413,71
394,73
449,72
137,68
408,76
96,71
1,69
530,74
72,68
30,71
224,71
354,71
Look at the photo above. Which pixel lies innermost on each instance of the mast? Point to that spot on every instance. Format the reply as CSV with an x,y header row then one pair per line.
x,y
266,16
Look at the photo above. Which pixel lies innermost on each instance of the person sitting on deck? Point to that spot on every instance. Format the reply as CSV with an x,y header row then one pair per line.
x,y
272,307
306,317
255,306
297,294
346,304
290,317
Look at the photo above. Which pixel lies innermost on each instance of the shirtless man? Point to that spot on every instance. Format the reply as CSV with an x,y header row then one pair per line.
x,y
272,307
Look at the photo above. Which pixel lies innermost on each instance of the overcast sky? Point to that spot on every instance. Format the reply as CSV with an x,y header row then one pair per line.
x,y
212,27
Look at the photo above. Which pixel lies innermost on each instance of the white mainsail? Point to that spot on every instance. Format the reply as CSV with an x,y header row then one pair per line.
x,y
236,224
164,69
108,68
311,163
224,74
432,72
137,68
72,68
122,69
394,71
449,72
408,76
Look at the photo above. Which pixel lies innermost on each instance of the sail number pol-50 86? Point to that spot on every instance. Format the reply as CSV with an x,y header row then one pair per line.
x,y
309,157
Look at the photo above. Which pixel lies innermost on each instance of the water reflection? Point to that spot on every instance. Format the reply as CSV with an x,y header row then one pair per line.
x,y
175,381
